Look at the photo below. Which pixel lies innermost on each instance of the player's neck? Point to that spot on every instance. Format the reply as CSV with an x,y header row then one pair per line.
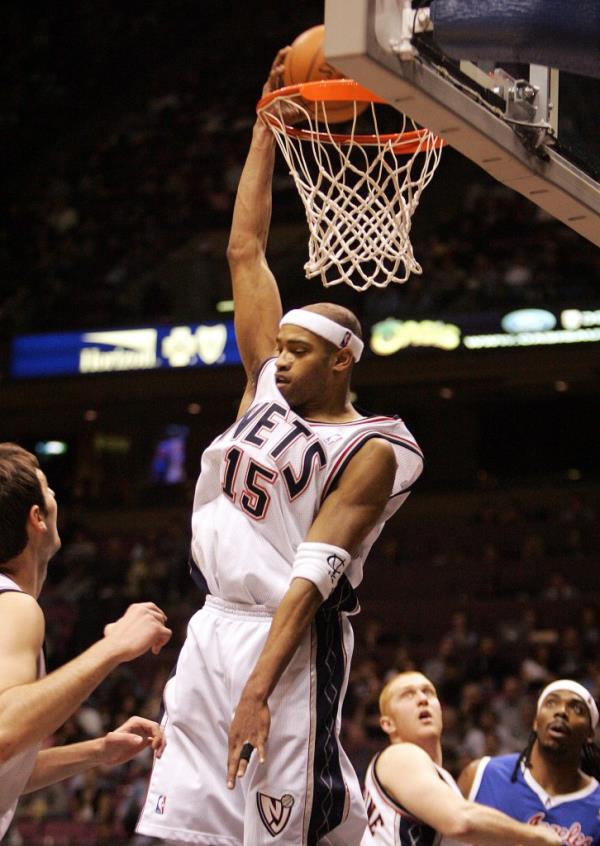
x,y
433,747
556,776
28,571
333,411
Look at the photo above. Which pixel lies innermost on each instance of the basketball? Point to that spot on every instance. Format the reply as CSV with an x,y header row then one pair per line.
x,y
306,62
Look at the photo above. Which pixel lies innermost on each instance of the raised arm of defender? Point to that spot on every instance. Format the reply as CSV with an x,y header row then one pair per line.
x,y
255,293
31,710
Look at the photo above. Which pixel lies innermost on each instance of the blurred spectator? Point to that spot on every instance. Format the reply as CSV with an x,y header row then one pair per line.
x,y
558,589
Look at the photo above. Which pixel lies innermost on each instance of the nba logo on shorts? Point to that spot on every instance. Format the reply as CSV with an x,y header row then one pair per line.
x,y
160,804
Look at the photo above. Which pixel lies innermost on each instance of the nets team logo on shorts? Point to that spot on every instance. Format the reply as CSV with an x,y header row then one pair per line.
x,y
274,813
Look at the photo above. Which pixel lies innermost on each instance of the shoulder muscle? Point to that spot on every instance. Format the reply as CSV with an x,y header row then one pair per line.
x,y
21,638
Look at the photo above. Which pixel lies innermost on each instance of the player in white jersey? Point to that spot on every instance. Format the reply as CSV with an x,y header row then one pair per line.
x,y
410,799
33,705
288,503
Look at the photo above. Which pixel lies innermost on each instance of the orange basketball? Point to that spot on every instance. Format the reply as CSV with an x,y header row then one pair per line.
x,y
306,62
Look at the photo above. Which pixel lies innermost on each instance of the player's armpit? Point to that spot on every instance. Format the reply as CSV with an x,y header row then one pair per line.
x,y
21,639
467,777
356,505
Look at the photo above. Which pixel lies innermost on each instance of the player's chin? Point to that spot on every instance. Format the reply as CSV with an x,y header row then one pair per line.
x,y
286,390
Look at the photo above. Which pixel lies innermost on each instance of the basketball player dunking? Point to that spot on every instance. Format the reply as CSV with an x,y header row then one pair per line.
x,y
288,503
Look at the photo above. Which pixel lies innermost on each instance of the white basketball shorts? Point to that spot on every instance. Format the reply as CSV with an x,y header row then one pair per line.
x,y
306,792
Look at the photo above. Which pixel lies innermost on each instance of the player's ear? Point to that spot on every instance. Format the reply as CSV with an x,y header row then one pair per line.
x,y
387,724
343,359
36,519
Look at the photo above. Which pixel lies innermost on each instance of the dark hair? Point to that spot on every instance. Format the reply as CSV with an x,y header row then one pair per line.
x,y
20,490
590,758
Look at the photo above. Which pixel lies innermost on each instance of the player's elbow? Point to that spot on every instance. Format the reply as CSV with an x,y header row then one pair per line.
x,y
243,250
461,824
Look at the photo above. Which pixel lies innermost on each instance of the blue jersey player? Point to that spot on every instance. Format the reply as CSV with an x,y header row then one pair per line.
x,y
553,782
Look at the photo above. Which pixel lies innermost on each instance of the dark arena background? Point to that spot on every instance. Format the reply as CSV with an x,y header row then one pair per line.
x,y
124,128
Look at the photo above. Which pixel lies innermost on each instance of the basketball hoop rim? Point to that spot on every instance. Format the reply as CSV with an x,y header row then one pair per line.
x,y
344,90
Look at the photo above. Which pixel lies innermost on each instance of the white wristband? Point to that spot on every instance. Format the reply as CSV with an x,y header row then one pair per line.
x,y
320,563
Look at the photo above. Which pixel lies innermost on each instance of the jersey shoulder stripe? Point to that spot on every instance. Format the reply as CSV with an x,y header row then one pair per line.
x,y
352,448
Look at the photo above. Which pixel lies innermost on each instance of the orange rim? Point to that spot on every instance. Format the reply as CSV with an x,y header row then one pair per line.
x,y
345,90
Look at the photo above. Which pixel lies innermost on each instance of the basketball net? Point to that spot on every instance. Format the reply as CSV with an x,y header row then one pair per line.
x,y
359,191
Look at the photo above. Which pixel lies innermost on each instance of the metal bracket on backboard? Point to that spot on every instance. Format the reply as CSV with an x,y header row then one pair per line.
x,y
357,40
402,24
530,105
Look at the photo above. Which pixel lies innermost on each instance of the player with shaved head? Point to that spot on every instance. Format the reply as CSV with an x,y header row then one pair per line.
x,y
289,501
410,799
554,780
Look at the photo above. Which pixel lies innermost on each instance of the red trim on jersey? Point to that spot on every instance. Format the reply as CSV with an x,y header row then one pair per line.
x,y
353,422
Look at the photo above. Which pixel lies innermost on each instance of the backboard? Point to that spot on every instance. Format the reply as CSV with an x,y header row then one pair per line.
x,y
445,66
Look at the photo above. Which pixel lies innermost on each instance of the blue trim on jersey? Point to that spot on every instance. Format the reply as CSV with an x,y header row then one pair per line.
x,y
415,833
575,819
329,790
392,439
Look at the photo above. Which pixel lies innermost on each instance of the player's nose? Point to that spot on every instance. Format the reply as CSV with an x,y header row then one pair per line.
x,y
560,710
283,360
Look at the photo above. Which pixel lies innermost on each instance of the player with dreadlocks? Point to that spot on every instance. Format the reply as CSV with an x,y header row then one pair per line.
x,y
553,781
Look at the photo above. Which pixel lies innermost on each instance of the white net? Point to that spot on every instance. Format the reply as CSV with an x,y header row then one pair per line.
x,y
359,191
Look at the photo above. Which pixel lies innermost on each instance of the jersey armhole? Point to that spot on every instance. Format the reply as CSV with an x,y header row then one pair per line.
x,y
478,778
404,812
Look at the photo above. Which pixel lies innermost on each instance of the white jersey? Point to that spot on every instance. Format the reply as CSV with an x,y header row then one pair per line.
x,y
390,824
262,484
14,773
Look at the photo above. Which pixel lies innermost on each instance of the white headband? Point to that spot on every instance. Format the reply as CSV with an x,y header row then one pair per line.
x,y
574,687
338,335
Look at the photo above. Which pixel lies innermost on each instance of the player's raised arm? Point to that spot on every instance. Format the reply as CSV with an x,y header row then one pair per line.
x,y
255,293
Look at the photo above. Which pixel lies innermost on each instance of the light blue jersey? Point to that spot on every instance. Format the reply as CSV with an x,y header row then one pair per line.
x,y
574,816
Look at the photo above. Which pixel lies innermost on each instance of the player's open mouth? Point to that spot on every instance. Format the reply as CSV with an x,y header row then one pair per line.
x,y
425,714
559,727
